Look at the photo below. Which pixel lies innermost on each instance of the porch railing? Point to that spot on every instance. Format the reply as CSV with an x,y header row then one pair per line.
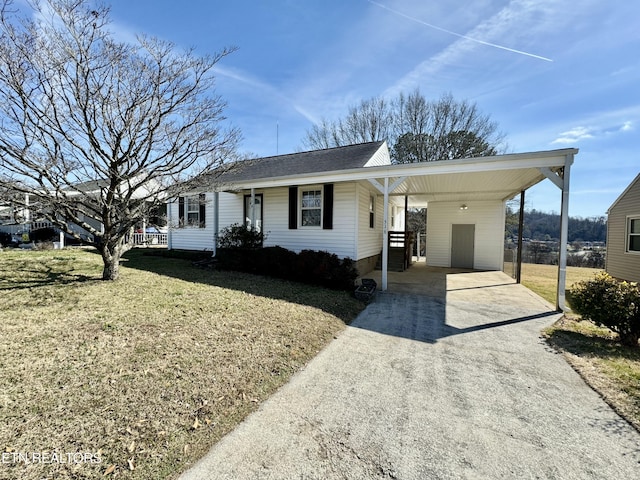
x,y
41,224
404,241
150,239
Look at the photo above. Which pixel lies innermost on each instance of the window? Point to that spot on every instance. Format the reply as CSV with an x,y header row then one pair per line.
x,y
191,211
372,211
633,234
311,208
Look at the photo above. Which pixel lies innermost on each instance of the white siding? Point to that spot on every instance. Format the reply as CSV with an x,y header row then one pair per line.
x,y
488,218
339,240
381,157
193,238
369,240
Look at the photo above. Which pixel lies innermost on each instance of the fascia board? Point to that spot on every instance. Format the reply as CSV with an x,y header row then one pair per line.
x,y
555,158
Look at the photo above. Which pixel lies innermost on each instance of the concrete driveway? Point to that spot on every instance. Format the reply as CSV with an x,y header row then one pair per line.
x,y
445,383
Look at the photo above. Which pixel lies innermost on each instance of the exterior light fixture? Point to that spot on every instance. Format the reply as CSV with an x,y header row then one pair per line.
x,y
463,206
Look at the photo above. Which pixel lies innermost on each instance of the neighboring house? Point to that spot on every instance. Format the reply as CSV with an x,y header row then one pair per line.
x,y
346,200
22,217
623,234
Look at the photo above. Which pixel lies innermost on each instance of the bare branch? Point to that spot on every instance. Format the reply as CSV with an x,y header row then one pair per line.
x,y
97,131
416,129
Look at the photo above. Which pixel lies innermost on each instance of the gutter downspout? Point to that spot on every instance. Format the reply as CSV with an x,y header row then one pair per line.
x,y
169,226
216,225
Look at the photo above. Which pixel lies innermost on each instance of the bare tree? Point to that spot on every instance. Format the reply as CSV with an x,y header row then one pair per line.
x,y
369,121
417,130
95,129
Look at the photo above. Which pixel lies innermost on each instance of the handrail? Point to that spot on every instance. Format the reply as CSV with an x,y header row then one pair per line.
x,y
403,239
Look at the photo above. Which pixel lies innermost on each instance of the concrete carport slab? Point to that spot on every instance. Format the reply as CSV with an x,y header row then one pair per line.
x,y
434,387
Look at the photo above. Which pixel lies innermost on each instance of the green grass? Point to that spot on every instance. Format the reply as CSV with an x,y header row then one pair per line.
x,y
147,372
543,279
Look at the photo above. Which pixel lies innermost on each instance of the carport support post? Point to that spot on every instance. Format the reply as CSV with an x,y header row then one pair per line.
x,y
520,232
385,189
564,233
385,234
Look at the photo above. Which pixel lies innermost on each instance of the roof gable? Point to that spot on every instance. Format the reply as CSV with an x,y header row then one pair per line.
x,y
626,190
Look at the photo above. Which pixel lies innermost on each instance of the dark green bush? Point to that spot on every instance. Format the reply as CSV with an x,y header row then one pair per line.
x,y
309,266
239,236
5,239
609,303
46,234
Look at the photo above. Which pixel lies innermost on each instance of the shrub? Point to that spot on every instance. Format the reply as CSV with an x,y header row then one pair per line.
x,y
5,239
47,234
309,266
239,236
610,303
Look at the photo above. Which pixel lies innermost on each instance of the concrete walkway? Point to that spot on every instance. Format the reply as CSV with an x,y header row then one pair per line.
x,y
453,382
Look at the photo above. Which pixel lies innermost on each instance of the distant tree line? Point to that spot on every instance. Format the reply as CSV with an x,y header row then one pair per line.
x,y
546,227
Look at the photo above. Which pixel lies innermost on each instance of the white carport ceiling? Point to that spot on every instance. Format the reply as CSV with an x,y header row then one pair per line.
x,y
468,186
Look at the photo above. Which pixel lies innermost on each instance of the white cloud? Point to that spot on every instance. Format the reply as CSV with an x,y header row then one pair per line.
x,y
501,25
574,135
482,42
627,127
262,89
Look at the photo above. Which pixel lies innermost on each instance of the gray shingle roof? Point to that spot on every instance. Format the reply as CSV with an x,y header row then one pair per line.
x,y
315,161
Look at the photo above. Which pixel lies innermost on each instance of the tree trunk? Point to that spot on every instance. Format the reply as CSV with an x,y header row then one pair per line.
x,y
111,259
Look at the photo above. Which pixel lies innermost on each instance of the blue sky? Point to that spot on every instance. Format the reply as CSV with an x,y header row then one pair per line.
x,y
552,73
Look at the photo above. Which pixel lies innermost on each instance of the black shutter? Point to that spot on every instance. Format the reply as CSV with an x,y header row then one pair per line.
x,y
327,207
180,212
293,208
202,213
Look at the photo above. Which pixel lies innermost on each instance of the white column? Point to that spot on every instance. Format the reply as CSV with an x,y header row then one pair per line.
x,y
385,234
26,212
564,229
252,209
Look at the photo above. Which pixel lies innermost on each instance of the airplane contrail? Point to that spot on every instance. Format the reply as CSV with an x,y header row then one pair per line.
x,y
501,47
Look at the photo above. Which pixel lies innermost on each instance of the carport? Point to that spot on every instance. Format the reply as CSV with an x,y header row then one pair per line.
x,y
461,184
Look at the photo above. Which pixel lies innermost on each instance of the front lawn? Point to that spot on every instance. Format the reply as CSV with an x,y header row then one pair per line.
x,y
144,374
543,279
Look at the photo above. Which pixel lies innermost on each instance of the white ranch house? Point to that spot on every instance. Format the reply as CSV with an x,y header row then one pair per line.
x,y
347,200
